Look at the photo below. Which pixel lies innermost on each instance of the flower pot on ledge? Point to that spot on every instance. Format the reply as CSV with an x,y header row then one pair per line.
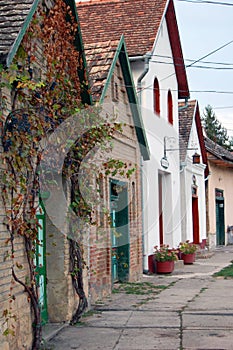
x,y
188,258
164,266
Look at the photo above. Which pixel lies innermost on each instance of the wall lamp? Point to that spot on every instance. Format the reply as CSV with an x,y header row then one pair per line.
x,y
164,161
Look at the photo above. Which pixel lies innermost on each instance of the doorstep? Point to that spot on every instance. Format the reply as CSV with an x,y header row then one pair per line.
x,y
204,254
179,264
49,330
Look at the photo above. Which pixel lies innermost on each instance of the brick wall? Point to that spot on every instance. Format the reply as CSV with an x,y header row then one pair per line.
x,y
19,305
125,148
62,299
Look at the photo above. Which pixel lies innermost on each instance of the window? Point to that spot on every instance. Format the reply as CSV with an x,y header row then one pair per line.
x,y
156,97
169,107
114,88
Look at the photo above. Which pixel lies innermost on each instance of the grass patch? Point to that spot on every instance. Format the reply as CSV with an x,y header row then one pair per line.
x,y
140,288
91,313
226,272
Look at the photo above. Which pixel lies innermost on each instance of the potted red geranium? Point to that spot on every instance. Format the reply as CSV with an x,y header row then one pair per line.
x,y
164,258
187,252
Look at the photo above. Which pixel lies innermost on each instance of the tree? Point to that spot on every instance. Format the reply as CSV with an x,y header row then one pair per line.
x,y
214,129
231,144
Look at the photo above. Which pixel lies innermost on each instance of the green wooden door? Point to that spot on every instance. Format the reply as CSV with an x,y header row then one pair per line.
x,y
220,222
41,264
120,230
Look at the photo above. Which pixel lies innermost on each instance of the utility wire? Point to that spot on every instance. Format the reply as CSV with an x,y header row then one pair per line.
x,y
192,60
208,2
211,53
224,107
150,87
189,66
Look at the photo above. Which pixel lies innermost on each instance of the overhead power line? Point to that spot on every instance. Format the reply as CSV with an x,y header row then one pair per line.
x,y
223,107
211,53
192,60
189,66
208,2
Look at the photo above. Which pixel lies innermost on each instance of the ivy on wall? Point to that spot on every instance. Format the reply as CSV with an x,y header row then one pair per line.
x,y
45,92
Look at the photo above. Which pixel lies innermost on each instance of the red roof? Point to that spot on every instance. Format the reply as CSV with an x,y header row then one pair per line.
x,y
139,22
99,58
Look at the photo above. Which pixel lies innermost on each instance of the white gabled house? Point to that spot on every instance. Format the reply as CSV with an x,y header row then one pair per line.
x,y
153,44
193,174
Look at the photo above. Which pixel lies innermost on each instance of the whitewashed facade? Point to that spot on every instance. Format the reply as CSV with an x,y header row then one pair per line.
x,y
157,128
192,175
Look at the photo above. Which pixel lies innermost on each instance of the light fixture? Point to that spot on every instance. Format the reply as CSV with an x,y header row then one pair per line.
x,y
196,158
164,161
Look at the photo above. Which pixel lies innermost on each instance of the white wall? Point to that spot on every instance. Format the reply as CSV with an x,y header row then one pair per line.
x,y
157,127
187,174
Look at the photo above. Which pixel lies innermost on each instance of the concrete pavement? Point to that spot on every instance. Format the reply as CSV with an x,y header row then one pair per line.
x,y
188,309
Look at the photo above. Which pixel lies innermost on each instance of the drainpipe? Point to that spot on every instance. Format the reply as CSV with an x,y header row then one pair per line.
x,y
185,104
142,208
147,57
207,178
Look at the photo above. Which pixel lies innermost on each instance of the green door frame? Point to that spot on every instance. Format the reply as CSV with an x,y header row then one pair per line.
x,y
220,217
119,230
41,263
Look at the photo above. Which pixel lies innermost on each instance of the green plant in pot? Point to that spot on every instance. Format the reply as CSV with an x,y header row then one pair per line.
x,y
164,258
187,252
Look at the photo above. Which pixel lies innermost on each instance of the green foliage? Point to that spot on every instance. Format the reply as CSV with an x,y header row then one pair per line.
x,y
39,104
140,288
164,253
42,100
230,143
214,129
226,272
187,247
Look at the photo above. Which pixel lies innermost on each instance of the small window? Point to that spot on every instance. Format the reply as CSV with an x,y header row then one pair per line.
x,y
100,182
114,88
156,97
170,107
134,206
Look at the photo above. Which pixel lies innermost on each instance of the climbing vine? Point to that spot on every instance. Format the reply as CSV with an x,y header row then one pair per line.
x,y
45,91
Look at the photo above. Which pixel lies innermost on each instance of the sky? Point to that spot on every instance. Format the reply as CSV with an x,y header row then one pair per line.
x,y
204,27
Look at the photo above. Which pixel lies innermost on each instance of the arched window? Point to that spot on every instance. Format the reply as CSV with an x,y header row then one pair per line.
x,y
169,107
156,97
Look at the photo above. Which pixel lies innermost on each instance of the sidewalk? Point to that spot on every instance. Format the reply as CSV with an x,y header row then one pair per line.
x,y
188,309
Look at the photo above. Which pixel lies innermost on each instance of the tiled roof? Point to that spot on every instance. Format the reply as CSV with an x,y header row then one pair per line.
x,y
12,16
186,117
218,152
99,58
138,20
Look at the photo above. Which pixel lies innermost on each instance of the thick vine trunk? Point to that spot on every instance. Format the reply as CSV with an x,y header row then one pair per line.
x,y
76,263
37,326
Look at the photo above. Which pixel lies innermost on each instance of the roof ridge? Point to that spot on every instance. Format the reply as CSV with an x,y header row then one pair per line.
x,y
92,2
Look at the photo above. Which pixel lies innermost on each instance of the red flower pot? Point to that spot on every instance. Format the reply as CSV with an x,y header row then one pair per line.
x,y
164,266
188,258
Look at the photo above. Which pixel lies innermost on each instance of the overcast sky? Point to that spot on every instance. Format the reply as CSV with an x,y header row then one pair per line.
x,y
206,26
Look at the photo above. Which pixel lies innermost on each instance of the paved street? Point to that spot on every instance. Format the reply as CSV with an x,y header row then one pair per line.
x,y
190,309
